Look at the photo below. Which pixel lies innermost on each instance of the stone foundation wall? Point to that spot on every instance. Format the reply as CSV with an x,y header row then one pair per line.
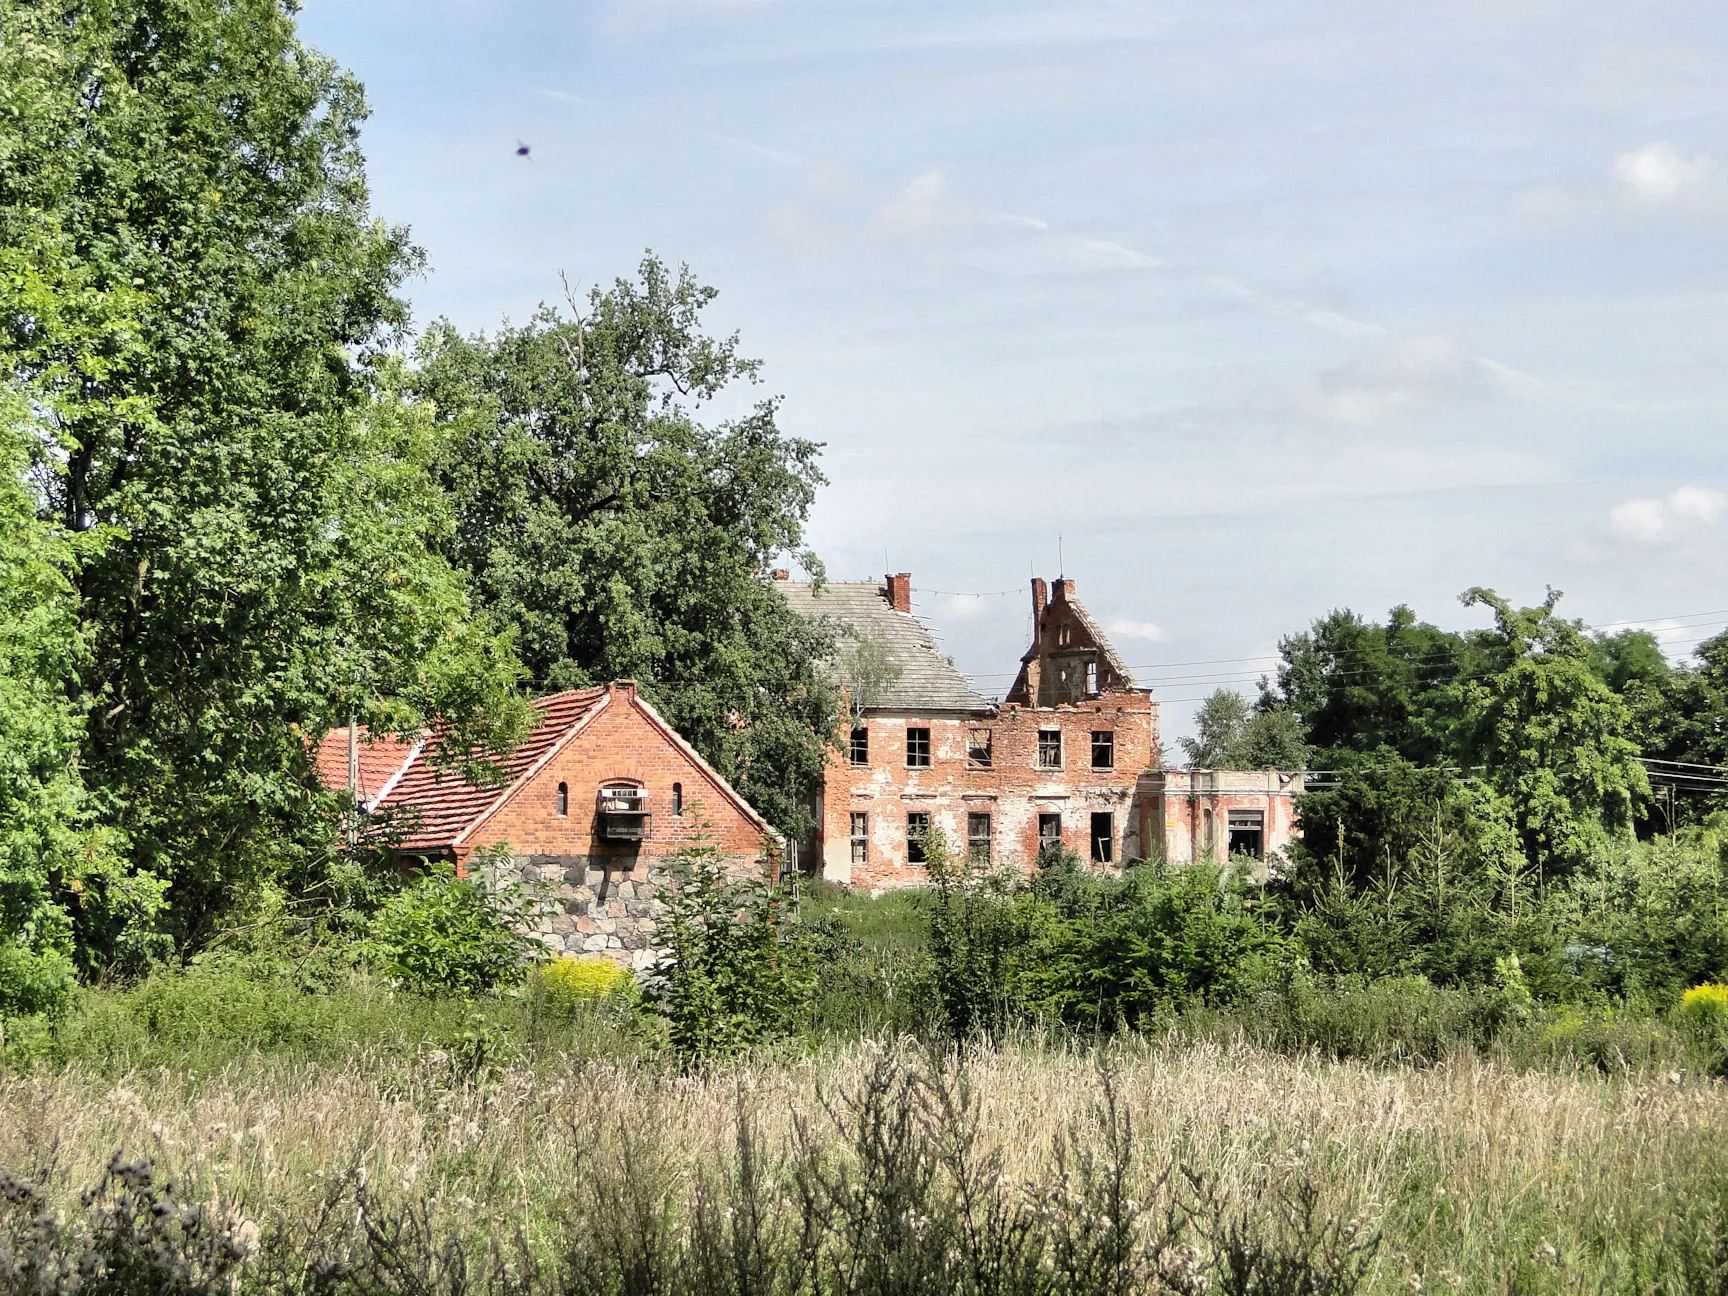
x,y
600,904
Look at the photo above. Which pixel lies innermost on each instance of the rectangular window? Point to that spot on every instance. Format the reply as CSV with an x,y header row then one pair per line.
x,y
1248,833
917,832
1049,749
860,745
978,749
978,838
1103,837
1103,749
1091,679
860,837
917,748
1049,835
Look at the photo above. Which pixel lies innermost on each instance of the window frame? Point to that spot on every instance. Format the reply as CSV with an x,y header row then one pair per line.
x,y
923,746
1049,740
859,825
978,844
1049,844
988,759
1106,854
1109,747
916,853
563,801
858,748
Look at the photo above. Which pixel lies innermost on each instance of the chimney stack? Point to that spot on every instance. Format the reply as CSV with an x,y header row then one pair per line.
x,y
1065,590
1040,597
900,591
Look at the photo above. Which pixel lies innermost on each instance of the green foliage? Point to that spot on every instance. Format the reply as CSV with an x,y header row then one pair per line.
x,y
1122,951
194,294
733,973
1231,735
44,810
981,927
1359,687
1553,738
622,536
1704,1010
447,935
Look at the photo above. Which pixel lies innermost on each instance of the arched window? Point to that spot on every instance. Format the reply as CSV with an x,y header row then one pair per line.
x,y
563,798
677,798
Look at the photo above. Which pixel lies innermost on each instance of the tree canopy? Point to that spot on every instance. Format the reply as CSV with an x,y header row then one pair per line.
x,y
194,297
623,536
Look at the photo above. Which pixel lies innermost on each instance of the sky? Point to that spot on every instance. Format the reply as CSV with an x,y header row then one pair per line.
x,y
1232,313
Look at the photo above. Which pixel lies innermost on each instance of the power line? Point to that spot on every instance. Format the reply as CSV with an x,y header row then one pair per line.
x,y
1418,659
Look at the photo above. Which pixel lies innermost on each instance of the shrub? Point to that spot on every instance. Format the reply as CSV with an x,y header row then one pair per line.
x,y
447,935
1704,1009
570,982
732,973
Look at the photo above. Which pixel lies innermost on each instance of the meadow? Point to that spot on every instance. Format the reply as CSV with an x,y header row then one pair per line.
x,y
880,1166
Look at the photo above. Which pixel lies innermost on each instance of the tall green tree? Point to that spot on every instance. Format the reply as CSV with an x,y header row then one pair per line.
x,y
1229,734
194,294
43,804
1552,738
625,536
1361,687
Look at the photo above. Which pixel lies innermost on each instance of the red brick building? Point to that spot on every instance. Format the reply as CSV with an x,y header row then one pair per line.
x,y
590,806
1071,755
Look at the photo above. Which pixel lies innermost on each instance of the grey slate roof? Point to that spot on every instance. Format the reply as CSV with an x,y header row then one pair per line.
x,y
928,681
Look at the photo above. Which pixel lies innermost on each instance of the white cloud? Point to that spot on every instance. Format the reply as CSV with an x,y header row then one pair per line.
x,y
963,607
1400,374
918,206
1123,628
1660,173
1688,511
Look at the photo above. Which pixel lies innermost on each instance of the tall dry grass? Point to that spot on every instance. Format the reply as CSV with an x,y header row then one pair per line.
x,y
1468,1175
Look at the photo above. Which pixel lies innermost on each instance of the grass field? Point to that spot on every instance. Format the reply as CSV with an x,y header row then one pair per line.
x,y
883,1168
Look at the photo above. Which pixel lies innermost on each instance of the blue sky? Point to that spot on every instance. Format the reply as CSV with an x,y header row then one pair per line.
x,y
1256,310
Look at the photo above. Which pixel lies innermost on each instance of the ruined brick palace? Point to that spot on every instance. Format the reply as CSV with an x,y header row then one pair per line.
x,y
1070,756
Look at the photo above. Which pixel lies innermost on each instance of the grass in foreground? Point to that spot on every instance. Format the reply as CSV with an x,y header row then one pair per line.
x,y
879,1168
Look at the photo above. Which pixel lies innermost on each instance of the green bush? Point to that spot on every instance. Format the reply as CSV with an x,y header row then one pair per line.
x,y
447,935
733,972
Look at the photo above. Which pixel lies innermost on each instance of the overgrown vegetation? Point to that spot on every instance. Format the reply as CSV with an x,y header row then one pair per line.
x,y
1182,1168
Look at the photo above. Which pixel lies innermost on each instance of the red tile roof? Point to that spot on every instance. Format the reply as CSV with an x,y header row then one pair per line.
x,y
441,806
381,759
437,809
438,806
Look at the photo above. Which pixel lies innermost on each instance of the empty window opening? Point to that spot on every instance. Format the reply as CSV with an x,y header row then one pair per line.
x,y
917,837
978,837
1248,833
563,798
978,748
1092,678
1049,835
677,798
860,837
860,745
1049,749
1103,749
1064,635
917,748
1103,837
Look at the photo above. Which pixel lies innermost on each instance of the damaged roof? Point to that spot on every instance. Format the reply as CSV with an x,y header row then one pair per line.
x,y
928,681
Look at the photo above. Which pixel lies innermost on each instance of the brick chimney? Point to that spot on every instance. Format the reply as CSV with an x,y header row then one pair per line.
x,y
1040,597
1064,591
900,591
